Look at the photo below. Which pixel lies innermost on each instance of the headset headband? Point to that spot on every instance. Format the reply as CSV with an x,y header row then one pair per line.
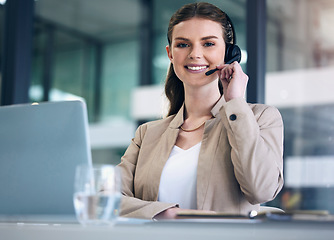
x,y
229,21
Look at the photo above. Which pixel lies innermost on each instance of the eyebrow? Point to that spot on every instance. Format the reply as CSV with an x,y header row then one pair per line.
x,y
204,38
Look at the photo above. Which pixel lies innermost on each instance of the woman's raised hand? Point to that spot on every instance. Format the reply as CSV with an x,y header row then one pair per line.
x,y
234,80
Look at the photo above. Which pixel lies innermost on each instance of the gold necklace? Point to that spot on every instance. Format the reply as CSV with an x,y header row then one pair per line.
x,y
191,130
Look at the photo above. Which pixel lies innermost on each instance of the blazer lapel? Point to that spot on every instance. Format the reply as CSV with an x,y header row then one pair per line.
x,y
207,154
204,167
165,146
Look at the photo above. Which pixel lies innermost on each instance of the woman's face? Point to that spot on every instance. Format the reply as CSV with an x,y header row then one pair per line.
x,y
197,45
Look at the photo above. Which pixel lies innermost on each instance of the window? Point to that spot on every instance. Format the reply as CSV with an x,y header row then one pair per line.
x,y
89,50
299,81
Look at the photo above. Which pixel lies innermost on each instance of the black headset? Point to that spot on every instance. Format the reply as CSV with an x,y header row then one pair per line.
x,y
232,51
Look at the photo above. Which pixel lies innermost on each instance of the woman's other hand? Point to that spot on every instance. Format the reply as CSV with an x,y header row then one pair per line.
x,y
171,213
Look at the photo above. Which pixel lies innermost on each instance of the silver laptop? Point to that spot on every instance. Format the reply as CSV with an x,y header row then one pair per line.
x,y
40,147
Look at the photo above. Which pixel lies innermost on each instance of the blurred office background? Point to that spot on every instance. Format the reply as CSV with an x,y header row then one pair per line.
x,y
111,53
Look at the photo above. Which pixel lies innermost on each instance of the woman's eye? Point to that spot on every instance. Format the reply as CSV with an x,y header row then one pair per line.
x,y
182,45
209,44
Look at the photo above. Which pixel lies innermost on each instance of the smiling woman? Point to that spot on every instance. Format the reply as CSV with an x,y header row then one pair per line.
x,y
214,152
196,46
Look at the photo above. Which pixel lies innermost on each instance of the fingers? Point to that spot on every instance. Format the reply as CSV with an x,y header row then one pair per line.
x,y
221,66
227,71
233,79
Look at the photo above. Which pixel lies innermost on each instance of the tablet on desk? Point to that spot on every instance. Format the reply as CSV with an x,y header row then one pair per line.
x,y
40,147
188,214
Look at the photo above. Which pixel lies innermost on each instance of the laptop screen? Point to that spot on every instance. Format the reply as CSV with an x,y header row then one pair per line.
x,y
40,147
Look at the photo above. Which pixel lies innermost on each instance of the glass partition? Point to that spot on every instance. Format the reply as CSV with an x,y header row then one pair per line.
x,y
300,82
89,50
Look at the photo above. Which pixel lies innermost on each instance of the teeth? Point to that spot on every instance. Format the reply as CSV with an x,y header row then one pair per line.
x,y
196,68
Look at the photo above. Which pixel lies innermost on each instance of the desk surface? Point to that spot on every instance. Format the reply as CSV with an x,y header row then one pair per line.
x,y
171,230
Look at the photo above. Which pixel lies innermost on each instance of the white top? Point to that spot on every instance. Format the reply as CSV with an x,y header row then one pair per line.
x,y
179,177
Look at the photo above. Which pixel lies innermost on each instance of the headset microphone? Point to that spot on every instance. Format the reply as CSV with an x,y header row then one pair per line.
x,y
235,58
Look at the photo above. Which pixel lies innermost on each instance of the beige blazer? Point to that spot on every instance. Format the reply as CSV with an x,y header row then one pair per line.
x,y
240,163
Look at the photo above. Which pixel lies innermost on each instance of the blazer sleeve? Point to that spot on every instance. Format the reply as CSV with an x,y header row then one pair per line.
x,y
131,206
255,133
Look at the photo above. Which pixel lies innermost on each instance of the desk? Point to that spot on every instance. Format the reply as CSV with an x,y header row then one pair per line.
x,y
172,230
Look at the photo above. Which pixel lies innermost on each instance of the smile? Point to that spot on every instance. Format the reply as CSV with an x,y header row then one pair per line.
x,y
196,68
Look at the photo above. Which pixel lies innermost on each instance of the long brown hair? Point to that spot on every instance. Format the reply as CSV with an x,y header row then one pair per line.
x,y
174,89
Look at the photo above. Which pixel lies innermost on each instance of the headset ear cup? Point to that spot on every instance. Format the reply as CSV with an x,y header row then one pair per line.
x,y
232,51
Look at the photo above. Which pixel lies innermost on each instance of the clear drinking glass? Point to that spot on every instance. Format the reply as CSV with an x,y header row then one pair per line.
x,y
97,194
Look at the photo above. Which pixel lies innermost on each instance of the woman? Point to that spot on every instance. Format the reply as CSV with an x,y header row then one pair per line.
x,y
214,151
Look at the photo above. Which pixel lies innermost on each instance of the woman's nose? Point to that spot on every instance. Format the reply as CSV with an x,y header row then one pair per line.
x,y
195,52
